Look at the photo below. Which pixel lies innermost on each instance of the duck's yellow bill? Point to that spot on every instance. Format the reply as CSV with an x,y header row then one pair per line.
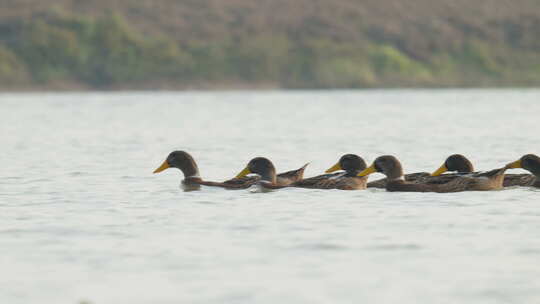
x,y
515,165
440,171
368,171
163,166
334,168
244,172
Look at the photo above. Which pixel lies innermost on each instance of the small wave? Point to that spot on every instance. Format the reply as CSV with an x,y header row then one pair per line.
x,y
245,227
530,251
77,173
322,247
388,247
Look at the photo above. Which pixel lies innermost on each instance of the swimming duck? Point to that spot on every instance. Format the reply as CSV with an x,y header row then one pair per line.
x,y
531,163
192,179
282,179
352,164
265,169
391,167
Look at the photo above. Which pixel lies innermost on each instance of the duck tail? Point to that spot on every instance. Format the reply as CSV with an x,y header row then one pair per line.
x,y
494,172
301,171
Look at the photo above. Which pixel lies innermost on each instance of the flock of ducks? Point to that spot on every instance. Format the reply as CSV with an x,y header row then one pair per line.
x,y
353,175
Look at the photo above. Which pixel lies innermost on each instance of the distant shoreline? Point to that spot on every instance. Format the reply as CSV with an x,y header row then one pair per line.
x,y
47,90
241,46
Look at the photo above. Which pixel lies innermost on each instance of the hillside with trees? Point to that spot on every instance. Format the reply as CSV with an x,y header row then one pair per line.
x,y
300,44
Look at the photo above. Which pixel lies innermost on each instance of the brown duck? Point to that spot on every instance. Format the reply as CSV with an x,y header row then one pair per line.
x,y
352,164
264,168
192,179
531,163
391,167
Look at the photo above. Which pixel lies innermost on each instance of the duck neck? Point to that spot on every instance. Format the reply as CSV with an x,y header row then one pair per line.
x,y
535,170
352,172
395,174
465,167
268,176
191,170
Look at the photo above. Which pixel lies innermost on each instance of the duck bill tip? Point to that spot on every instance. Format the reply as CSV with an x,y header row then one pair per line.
x,y
163,166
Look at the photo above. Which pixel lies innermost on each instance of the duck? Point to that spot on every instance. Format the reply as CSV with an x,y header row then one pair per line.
x,y
282,179
192,179
351,164
531,163
266,171
391,167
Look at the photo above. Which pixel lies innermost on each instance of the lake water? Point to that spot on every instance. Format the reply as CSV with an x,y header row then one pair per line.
x,y
82,217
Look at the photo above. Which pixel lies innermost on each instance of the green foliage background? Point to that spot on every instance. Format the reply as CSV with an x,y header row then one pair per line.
x,y
108,50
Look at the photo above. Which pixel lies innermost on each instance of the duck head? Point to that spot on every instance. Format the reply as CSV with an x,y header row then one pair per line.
x,y
351,163
455,162
180,160
387,165
262,167
529,162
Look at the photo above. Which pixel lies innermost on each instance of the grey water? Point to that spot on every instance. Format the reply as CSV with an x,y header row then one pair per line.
x,y
83,219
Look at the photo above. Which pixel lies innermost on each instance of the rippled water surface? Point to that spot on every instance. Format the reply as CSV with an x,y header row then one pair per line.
x,y
83,219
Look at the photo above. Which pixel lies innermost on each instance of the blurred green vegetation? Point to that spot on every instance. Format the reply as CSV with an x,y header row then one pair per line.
x,y
107,51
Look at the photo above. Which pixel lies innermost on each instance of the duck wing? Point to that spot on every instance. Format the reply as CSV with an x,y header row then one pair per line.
x,y
419,177
456,184
405,186
315,180
490,174
476,181
333,181
519,180
241,182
